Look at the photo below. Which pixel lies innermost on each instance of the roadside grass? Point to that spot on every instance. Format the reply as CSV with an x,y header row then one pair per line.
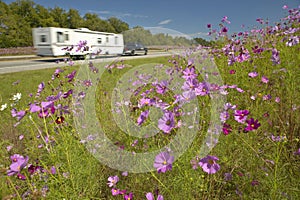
x,y
258,164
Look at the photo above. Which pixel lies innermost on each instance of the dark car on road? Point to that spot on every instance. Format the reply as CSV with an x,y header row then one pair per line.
x,y
135,48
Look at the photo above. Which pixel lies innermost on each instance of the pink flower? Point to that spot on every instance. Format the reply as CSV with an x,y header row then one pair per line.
x,y
253,74
264,79
113,180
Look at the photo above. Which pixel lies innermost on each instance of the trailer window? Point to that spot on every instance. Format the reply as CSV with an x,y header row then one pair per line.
x,y
67,37
99,40
116,40
60,37
43,38
107,39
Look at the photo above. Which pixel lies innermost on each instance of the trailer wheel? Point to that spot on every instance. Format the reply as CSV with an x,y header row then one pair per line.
x,y
132,52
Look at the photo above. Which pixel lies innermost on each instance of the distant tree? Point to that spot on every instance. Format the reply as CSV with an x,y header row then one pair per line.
x,y
44,18
74,19
203,42
118,25
60,16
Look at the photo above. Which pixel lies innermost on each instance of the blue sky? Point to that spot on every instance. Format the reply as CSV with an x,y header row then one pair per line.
x,y
186,16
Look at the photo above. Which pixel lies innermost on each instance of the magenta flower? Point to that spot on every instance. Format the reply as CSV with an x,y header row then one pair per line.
x,y
128,196
226,129
115,191
208,25
150,196
112,180
163,162
252,125
241,115
167,122
232,71
209,164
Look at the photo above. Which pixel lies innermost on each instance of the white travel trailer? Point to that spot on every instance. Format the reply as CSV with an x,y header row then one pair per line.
x,y
52,41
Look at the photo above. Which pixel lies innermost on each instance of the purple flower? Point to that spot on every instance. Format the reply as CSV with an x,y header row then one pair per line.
x,y
209,164
144,115
202,89
252,124
208,25
297,152
224,116
162,87
227,176
241,115
67,94
189,73
18,163
146,102
292,41
19,115
53,170
163,162
167,122
40,88
112,180
275,57
71,76
253,74
190,84
225,19
150,196
195,163
34,108
267,97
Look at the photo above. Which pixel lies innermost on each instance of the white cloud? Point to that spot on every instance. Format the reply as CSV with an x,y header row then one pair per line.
x,y
116,14
165,22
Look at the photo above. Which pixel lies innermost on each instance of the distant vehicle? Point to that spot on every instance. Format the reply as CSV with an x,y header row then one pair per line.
x,y
52,41
135,48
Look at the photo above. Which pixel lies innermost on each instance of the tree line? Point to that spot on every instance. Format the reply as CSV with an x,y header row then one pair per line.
x,y
18,18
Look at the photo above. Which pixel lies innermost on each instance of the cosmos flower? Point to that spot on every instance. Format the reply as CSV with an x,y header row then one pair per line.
x,y
264,79
209,164
112,181
167,122
128,196
163,162
253,74
18,163
143,116
150,196
252,124
241,115
226,129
